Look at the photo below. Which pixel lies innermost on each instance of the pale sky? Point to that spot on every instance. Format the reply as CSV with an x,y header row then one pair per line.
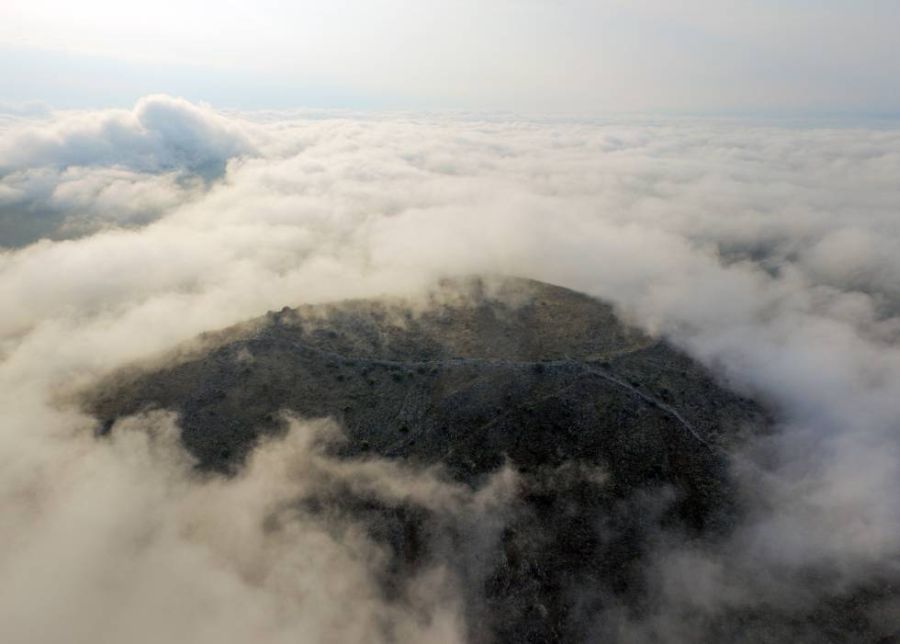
x,y
703,56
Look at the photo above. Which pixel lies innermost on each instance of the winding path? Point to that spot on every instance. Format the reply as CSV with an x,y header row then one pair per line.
x,y
589,367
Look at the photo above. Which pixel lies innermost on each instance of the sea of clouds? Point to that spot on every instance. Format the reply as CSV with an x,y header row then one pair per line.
x,y
770,252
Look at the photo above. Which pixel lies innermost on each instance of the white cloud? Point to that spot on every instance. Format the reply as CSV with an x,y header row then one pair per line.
x,y
771,253
161,133
82,172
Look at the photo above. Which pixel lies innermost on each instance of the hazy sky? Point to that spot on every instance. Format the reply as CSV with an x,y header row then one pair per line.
x,y
796,56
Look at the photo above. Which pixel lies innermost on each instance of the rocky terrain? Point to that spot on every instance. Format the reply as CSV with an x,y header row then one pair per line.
x,y
617,439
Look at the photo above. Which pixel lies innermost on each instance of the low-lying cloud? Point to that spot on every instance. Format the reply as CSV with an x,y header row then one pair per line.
x,y
771,253
81,172
161,133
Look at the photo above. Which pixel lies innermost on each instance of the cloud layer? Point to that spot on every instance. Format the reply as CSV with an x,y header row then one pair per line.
x,y
771,253
81,172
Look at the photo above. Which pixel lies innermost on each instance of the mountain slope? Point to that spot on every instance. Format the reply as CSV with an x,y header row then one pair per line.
x,y
616,437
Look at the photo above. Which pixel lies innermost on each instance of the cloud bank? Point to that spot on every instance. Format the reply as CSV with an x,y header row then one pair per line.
x,y
81,172
772,254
